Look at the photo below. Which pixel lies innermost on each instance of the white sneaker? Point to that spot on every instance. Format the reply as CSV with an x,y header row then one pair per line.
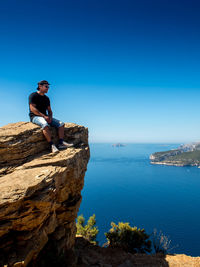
x,y
65,145
54,149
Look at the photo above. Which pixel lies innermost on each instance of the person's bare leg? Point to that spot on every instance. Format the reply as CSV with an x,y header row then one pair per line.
x,y
62,144
61,132
47,133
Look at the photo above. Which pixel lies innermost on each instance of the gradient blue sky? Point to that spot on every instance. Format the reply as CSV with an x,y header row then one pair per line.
x,y
128,70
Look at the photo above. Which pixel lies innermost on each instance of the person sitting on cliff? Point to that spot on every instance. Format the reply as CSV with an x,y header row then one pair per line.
x,y
39,104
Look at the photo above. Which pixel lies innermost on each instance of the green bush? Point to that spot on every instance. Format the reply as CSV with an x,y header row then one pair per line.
x,y
89,231
128,238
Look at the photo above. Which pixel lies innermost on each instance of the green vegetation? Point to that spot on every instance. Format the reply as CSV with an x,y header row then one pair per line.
x,y
128,238
122,235
89,231
194,155
163,153
184,158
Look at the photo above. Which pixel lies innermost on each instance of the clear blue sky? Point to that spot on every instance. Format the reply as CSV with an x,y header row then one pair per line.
x,y
128,70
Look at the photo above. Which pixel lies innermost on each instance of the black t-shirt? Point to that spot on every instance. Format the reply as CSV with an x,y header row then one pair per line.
x,y
42,102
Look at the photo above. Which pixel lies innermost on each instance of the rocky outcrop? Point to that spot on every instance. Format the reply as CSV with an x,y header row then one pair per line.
x,y
40,193
91,255
22,141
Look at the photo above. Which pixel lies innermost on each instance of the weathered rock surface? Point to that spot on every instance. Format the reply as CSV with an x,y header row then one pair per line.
x,y
22,141
91,255
40,193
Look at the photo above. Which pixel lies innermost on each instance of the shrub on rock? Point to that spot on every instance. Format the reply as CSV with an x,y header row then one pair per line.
x,y
131,239
89,231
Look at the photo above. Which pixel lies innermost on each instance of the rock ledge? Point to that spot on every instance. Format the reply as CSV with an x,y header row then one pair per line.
x,y
40,193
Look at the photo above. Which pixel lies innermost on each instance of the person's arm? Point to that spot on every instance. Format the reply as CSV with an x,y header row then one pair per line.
x,y
37,112
50,113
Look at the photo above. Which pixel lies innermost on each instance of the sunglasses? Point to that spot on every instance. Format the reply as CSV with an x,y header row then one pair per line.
x,y
46,86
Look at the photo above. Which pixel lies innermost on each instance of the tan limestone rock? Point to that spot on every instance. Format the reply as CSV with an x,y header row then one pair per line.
x,y
22,141
40,193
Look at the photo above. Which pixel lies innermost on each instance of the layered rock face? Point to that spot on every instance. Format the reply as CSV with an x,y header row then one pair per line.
x,y
40,193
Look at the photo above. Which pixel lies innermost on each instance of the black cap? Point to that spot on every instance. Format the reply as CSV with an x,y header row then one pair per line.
x,y
43,82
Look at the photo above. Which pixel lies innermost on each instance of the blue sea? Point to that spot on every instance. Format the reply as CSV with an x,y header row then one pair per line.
x,y
122,186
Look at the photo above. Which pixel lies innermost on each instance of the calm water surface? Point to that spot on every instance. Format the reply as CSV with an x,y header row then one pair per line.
x,y
122,185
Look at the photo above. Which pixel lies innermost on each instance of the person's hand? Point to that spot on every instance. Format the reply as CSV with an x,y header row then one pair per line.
x,y
48,119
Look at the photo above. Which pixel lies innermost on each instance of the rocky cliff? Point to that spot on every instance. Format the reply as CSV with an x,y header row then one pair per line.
x,y
40,193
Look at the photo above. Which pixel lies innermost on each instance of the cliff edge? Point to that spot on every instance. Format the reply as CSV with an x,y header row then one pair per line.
x,y
40,193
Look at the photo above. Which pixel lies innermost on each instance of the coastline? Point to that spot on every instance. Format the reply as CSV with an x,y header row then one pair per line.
x,y
174,164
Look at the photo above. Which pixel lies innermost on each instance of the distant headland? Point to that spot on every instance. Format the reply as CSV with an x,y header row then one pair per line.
x,y
184,155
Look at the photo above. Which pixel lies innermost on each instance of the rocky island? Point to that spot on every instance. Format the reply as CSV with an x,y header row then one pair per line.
x,y
118,145
184,155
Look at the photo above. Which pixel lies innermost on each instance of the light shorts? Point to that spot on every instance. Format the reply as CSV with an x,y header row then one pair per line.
x,y
43,123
